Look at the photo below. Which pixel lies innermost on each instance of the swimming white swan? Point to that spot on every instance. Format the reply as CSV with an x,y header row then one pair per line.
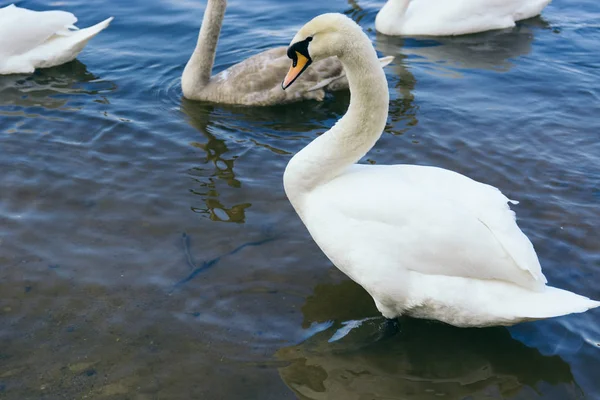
x,y
423,241
33,39
256,80
453,17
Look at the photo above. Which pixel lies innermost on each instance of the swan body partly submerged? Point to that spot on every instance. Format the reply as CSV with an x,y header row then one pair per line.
x,y
453,17
423,241
255,81
40,39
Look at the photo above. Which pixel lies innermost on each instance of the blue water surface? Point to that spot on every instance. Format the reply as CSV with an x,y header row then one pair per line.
x,y
147,249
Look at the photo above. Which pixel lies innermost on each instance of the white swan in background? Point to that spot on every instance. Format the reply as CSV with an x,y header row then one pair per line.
x,y
256,80
453,17
423,241
40,39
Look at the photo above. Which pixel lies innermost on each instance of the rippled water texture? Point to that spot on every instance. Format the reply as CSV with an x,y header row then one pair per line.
x,y
147,249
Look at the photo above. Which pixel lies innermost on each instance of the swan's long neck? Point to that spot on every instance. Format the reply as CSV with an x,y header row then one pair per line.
x,y
355,133
198,69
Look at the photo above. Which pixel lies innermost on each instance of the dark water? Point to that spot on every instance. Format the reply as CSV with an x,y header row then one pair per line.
x,y
147,249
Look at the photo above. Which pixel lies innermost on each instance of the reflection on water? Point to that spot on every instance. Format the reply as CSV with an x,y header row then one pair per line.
x,y
231,133
426,360
119,279
216,157
356,12
494,50
402,104
50,88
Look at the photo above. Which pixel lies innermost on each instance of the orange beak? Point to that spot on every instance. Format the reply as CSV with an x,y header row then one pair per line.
x,y
299,64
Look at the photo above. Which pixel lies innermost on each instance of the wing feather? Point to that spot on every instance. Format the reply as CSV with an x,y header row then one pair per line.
x,y
428,220
22,30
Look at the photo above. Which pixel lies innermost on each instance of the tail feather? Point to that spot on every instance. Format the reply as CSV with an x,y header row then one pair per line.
x,y
554,302
62,48
385,61
88,33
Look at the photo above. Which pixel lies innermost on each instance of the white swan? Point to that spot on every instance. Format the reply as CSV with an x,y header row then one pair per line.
x,y
256,80
453,17
33,39
423,241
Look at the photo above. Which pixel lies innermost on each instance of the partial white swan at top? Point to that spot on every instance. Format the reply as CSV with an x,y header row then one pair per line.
x,y
40,39
256,80
422,241
453,17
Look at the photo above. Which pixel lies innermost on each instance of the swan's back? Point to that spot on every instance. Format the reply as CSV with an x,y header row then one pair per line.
x,y
22,30
446,222
441,18
34,39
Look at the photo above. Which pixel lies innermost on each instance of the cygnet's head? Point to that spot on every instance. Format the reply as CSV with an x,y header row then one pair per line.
x,y
324,36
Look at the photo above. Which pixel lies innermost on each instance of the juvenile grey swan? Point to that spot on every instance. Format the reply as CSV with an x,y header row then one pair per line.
x,y
255,81
423,241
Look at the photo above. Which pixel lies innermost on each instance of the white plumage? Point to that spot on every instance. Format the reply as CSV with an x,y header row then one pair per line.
x,y
33,39
423,241
453,17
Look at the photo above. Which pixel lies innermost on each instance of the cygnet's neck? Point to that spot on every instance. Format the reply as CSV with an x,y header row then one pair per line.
x,y
197,72
355,133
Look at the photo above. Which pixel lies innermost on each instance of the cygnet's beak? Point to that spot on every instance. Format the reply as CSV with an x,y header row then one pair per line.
x,y
298,53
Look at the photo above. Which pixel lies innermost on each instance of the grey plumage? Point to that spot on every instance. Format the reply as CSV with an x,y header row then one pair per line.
x,y
255,81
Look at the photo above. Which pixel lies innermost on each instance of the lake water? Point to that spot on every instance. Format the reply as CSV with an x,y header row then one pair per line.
x,y
148,251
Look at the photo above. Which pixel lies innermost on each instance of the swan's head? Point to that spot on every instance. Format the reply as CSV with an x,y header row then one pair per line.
x,y
324,36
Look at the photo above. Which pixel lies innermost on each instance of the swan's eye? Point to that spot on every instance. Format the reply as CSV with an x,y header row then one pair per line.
x,y
299,47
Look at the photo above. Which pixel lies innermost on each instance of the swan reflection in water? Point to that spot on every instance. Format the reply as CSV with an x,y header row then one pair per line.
x,y
229,132
491,50
216,152
51,88
425,360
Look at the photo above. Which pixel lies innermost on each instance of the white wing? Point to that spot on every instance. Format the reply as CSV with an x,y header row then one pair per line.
x,y
424,219
22,30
